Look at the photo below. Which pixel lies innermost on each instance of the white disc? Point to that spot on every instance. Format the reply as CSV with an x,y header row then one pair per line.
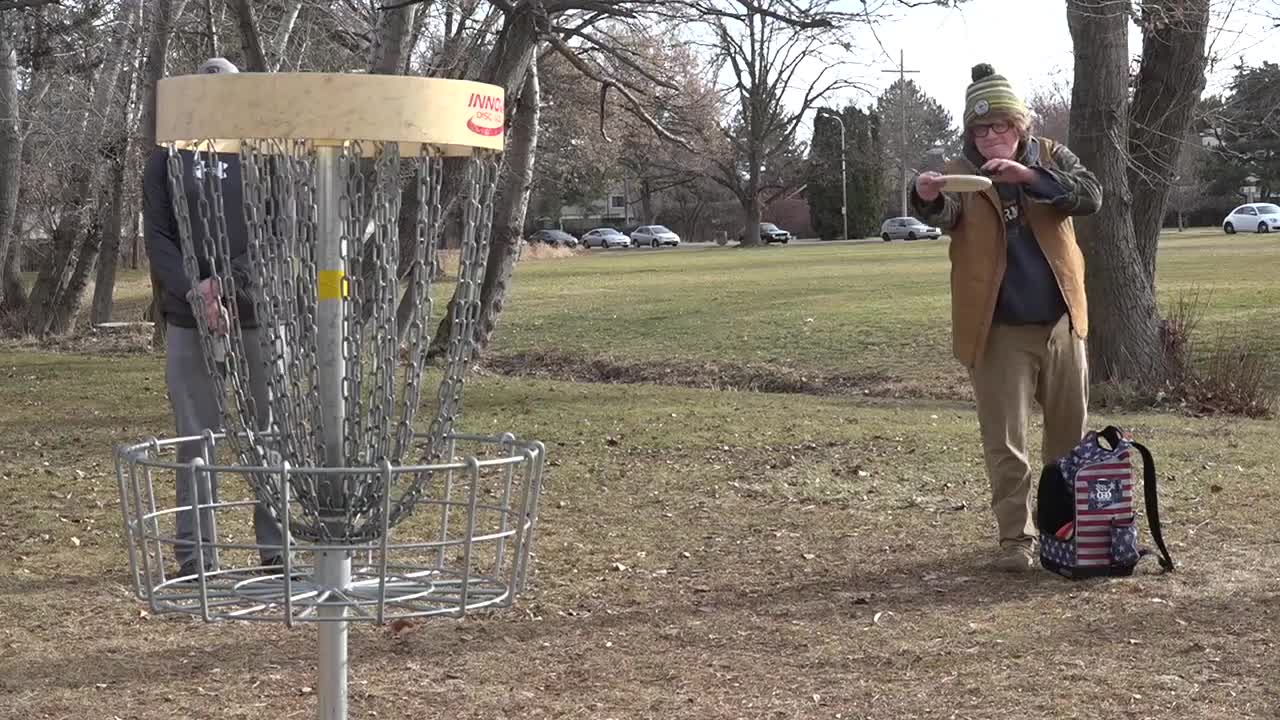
x,y
965,183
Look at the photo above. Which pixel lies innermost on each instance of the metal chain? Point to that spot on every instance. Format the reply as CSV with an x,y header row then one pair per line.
x,y
385,210
282,216
351,218
417,334
478,208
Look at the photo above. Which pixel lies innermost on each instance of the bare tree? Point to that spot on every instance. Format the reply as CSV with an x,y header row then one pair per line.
x,y
10,136
159,27
12,292
766,48
1132,151
62,277
255,58
118,155
1051,108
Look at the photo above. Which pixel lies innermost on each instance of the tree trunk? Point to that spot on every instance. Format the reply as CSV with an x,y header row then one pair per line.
x,y
135,240
280,43
391,40
507,65
113,231
61,317
1123,321
211,29
109,257
10,141
1170,80
751,228
250,40
15,303
118,158
57,269
509,212
750,199
646,201
161,30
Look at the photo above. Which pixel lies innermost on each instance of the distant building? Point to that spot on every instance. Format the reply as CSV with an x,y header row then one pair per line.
x,y
613,210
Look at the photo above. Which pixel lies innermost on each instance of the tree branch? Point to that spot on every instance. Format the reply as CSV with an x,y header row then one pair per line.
x,y
606,83
255,58
19,4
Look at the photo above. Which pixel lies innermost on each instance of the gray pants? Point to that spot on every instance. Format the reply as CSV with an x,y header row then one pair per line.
x,y
195,409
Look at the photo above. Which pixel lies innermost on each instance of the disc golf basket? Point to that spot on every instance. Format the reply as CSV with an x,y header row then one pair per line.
x,y
388,510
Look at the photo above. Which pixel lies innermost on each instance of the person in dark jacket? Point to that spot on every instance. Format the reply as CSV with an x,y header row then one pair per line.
x,y
191,388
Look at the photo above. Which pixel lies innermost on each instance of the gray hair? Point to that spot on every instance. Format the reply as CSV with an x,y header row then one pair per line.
x,y
214,66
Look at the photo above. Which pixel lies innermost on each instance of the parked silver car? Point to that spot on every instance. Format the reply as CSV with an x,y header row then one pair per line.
x,y
907,228
653,236
605,237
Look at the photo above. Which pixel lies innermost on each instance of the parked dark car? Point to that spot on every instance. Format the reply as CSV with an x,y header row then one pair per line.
x,y
554,238
770,233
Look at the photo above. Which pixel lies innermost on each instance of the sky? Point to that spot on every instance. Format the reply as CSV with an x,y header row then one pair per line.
x,y
1027,41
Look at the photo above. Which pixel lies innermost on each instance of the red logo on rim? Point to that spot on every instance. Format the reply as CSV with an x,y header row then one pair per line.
x,y
488,115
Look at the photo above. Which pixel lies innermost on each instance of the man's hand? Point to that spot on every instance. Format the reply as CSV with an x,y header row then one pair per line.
x,y
1010,172
928,186
209,291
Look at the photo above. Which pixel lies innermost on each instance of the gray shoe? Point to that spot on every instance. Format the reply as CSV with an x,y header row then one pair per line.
x,y
1015,558
192,568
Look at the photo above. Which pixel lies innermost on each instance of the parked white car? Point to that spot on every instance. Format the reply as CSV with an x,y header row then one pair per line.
x,y
653,236
907,228
1255,217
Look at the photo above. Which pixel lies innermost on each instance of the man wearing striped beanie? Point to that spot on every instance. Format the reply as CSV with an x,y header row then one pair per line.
x,y
1018,305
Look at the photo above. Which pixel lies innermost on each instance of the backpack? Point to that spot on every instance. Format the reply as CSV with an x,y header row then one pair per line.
x,y
1085,509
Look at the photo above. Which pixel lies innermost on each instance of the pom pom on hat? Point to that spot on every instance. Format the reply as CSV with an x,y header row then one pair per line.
x,y
990,95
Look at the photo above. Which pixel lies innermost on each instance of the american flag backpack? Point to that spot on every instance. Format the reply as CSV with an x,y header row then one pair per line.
x,y
1085,508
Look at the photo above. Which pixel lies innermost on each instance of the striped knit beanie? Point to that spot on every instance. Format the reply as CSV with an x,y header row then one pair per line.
x,y
990,95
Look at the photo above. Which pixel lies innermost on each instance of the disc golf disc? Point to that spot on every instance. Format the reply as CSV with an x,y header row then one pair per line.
x,y
964,183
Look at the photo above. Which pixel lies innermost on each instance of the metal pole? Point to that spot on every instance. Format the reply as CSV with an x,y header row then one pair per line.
x,y
333,568
902,116
902,126
844,183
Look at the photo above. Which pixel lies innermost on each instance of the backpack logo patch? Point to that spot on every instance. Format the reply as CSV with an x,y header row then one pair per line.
x,y
1104,492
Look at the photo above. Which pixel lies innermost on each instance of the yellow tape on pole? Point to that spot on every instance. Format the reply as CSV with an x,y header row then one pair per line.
x,y
331,285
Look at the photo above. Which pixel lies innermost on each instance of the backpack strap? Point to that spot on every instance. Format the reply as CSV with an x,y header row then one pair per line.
x,y
1153,506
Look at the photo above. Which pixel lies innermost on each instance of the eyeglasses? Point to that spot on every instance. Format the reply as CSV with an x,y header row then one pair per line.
x,y
1000,127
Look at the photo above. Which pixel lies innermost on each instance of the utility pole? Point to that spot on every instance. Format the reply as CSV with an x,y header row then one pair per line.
x,y
844,183
902,124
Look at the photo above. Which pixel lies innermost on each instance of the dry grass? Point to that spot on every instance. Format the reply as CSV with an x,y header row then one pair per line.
x,y
702,554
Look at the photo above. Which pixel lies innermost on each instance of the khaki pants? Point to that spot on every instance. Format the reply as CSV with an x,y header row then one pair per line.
x,y
1047,364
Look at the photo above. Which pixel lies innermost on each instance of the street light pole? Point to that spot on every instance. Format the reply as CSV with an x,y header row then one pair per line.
x,y
844,185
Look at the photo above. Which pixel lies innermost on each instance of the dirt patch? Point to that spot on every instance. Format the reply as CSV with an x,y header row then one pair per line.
x,y
712,375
